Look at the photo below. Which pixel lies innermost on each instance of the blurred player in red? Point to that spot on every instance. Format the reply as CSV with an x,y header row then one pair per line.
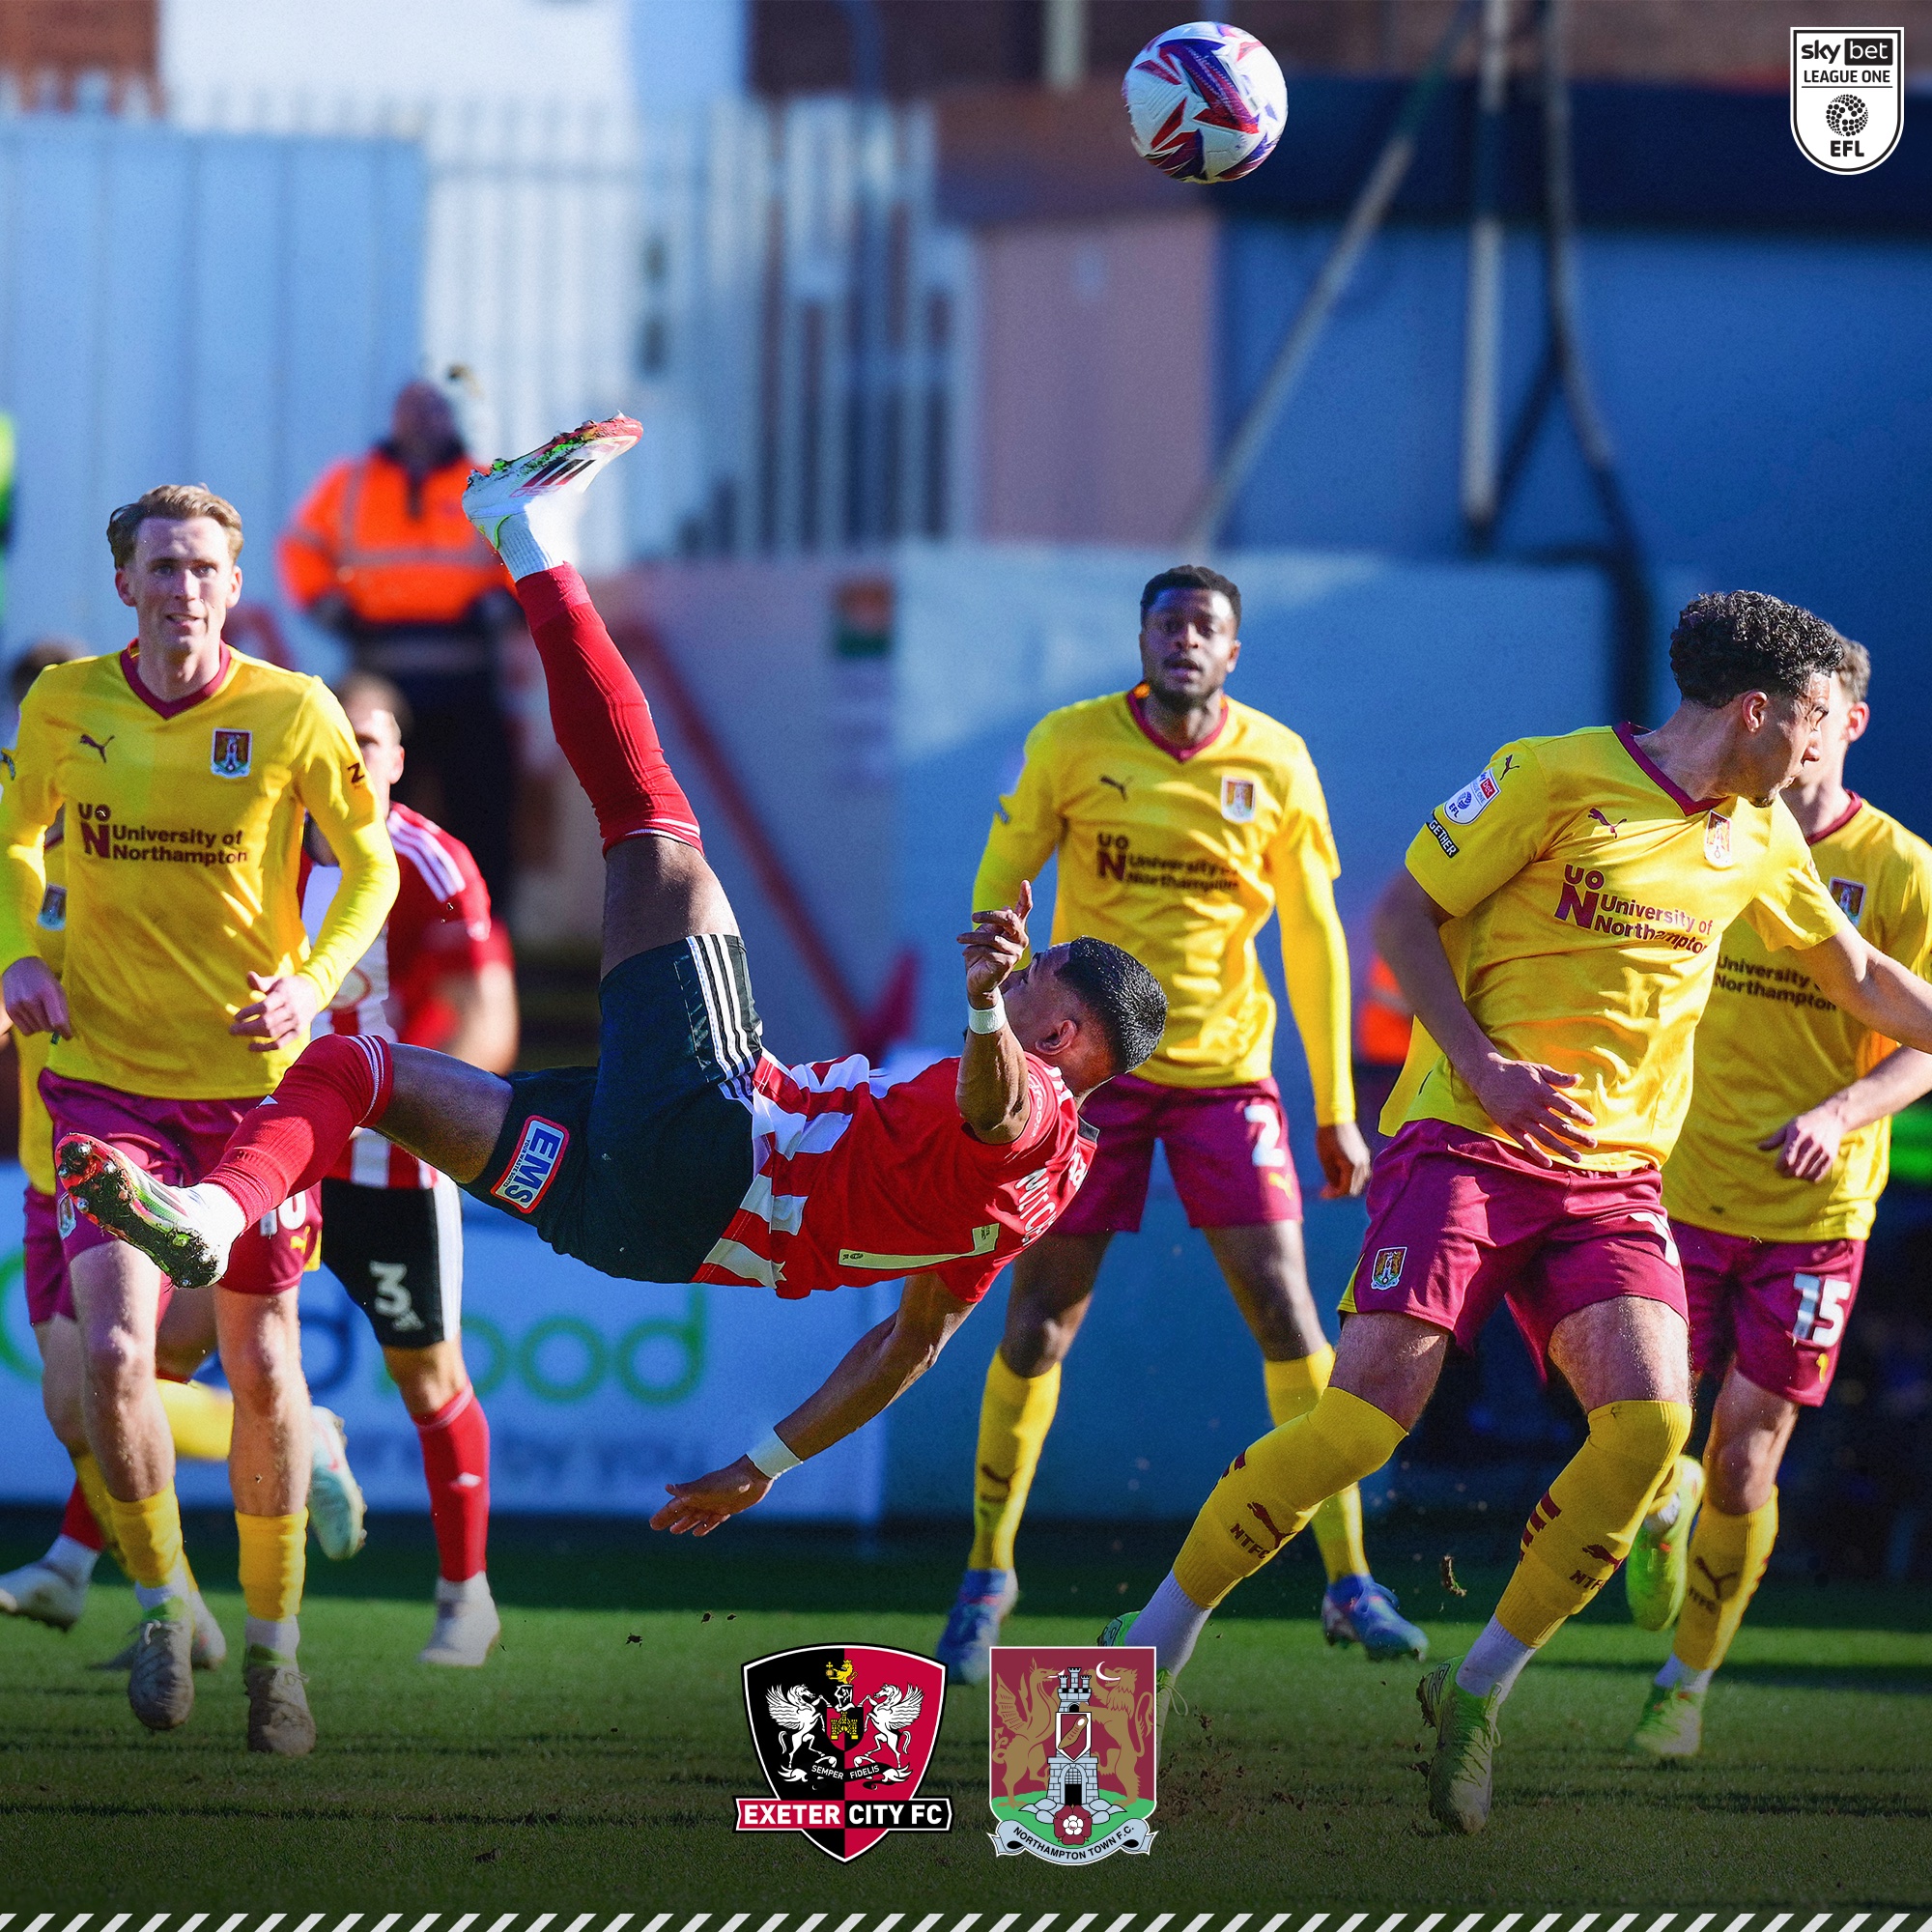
x,y
391,1225
687,1154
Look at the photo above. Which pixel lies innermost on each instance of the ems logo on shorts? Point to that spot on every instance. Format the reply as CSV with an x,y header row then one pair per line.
x,y
1388,1270
1474,800
231,753
1850,895
534,1164
1717,840
1238,800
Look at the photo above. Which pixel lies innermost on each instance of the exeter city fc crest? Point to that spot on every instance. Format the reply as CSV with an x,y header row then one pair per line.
x,y
1847,96
844,1733
1072,1751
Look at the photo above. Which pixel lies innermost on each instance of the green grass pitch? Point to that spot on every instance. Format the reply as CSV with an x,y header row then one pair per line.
x,y
594,1761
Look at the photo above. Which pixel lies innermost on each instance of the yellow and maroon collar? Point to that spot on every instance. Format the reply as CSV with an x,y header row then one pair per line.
x,y
172,707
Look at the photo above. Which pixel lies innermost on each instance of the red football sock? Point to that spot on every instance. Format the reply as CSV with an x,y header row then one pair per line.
x,y
603,723
456,1463
296,1136
77,1521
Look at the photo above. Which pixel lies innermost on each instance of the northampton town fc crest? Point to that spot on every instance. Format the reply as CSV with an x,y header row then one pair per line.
x,y
844,1733
1072,1751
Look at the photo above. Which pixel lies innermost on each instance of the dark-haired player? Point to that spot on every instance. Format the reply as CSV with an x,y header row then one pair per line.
x,y
1556,930
687,1154
1182,820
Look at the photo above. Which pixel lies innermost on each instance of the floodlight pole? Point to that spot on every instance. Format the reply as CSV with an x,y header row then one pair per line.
x,y
1371,206
1482,344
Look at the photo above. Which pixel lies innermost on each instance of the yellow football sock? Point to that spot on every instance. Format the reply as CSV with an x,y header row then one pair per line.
x,y
149,1534
1271,1490
275,1561
94,1486
1015,1413
1292,1390
200,1419
1588,1517
1727,1557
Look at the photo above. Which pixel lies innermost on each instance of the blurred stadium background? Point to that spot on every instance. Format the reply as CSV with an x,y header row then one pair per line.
x,y
933,373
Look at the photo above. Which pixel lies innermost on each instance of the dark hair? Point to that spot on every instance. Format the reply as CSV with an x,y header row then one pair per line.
x,y
1743,640
1192,577
1122,994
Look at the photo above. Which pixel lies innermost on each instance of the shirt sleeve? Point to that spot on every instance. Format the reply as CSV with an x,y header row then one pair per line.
x,y
1302,867
29,803
306,551
1483,836
328,779
1793,910
1026,828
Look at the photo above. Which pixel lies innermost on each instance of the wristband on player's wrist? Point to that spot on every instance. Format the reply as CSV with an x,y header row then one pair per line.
x,y
986,1019
770,1458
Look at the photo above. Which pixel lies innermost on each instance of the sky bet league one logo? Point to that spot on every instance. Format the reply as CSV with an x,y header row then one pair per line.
x,y
1847,95
1072,1751
844,1733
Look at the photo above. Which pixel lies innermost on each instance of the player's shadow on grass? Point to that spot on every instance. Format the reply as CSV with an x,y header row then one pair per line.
x,y
1878,1679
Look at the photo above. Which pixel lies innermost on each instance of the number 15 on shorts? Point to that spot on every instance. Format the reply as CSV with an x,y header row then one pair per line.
x,y
1821,1310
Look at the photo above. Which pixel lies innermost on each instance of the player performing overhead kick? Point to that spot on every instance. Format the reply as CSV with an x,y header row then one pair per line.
x,y
687,1154
1557,930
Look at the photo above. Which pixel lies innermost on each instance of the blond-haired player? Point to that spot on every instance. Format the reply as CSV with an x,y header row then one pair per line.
x,y
185,770
1182,820
1771,1191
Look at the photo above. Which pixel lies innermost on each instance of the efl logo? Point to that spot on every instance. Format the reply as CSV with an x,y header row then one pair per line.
x,y
534,1165
1387,1270
1847,96
1472,800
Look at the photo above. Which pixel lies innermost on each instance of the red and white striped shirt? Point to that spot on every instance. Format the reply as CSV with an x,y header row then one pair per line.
x,y
439,925
859,1178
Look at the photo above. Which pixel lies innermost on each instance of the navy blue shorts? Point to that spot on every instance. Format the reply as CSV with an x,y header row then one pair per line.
x,y
636,1164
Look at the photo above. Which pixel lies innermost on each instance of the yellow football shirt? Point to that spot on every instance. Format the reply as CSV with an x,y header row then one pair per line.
x,y
1770,1045
183,836
37,1130
1179,857
1588,898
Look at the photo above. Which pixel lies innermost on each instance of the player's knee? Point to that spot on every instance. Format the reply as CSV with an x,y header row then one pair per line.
x,y
119,1359
1640,1440
427,1379
262,1354
1741,1471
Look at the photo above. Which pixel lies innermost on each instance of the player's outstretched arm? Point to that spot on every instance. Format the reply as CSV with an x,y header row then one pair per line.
x,y
992,1089
1872,987
1807,1147
879,1369
1521,1096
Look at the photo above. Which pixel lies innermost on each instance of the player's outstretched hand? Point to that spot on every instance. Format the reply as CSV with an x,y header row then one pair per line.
x,y
33,998
1527,1101
996,945
698,1507
1807,1147
1344,1155
284,1012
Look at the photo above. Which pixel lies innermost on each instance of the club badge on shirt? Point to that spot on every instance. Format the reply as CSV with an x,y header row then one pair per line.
x,y
231,753
1850,895
1717,840
1238,800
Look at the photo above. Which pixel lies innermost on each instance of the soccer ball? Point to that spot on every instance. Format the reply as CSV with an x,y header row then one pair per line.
x,y
1845,114
1205,102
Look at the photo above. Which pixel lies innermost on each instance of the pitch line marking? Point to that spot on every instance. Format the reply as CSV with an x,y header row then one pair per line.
x,y
314,1919
40,1922
770,1924
1657,1924
815,1919
1122,1924
422,1925
121,1918
731,1924
1739,1923
1040,1924
1199,1922
1893,1924
229,1925
1389,1923
1472,1921
382,1924
1159,1919
153,1924
1851,1924
1353,1919
463,1925
657,1924
1001,1923
503,1925
267,1925
851,1924
617,1925
1822,1919
1702,1919
1309,1925
1589,1918
75,1923
1233,1925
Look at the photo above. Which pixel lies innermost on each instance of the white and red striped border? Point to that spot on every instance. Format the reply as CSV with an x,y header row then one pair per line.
x,y
968,1922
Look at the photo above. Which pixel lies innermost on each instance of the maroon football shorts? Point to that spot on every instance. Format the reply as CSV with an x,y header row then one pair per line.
x,y
42,1266
178,1141
1776,1309
1227,1149
1459,1222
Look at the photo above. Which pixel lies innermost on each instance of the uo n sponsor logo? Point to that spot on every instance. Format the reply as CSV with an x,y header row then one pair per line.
x,y
1847,96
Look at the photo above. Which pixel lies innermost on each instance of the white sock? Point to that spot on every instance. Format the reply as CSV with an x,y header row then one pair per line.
x,y
153,1599
216,1209
1677,1675
1494,1663
281,1637
539,536
471,1590
73,1560
1664,1516
1172,1622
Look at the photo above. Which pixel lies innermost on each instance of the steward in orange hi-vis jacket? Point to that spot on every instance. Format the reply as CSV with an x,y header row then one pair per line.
x,y
380,553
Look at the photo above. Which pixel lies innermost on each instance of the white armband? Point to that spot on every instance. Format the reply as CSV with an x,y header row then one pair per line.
x,y
986,1019
770,1458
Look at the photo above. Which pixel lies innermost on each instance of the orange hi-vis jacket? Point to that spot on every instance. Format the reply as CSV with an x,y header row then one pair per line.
x,y
395,554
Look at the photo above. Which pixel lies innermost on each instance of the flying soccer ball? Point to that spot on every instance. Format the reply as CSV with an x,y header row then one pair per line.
x,y
1205,102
